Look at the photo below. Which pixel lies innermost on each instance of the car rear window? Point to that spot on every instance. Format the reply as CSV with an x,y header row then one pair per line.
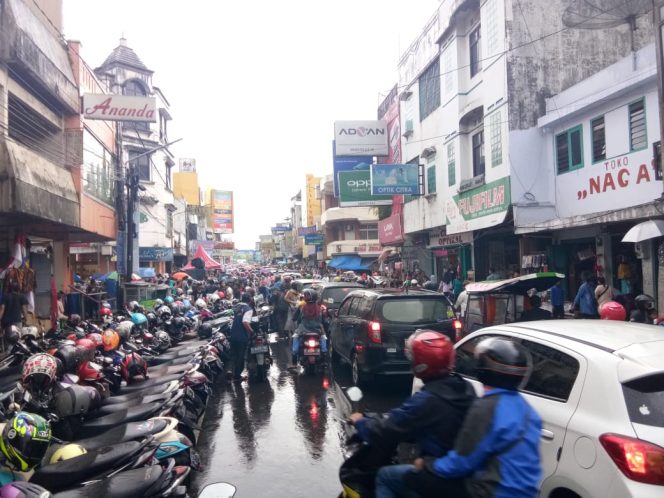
x,y
335,295
414,310
645,400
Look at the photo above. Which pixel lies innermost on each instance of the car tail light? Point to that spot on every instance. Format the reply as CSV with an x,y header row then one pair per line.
x,y
639,460
458,326
359,348
312,343
374,333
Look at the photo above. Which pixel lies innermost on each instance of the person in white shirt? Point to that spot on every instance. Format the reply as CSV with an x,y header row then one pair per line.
x,y
461,303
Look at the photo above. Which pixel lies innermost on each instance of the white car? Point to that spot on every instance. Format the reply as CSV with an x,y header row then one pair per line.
x,y
599,387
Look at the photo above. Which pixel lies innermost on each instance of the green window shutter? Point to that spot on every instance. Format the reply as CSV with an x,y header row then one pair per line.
x,y
451,165
431,179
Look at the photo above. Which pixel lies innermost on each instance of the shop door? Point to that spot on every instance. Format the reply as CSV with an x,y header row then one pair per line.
x,y
42,267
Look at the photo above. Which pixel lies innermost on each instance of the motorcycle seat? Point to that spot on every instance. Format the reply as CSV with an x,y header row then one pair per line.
x,y
64,474
170,359
127,484
169,369
108,409
151,382
114,400
133,414
131,431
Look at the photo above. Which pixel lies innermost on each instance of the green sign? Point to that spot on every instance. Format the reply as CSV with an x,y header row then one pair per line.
x,y
314,239
488,199
355,190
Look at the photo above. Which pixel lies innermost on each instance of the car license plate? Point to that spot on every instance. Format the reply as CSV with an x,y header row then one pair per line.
x,y
259,349
311,352
391,350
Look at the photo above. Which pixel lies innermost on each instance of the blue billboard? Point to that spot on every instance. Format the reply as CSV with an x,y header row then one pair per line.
x,y
395,179
347,163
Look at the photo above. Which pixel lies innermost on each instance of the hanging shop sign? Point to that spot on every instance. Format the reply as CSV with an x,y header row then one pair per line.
x,y
439,238
281,229
155,253
478,208
222,214
119,108
361,138
314,239
395,179
355,190
303,231
390,230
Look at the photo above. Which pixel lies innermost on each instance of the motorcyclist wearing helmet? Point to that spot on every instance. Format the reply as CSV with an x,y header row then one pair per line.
x,y
496,452
431,417
641,314
310,319
240,333
612,310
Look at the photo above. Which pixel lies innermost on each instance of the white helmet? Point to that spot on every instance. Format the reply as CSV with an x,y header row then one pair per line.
x,y
200,303
213,298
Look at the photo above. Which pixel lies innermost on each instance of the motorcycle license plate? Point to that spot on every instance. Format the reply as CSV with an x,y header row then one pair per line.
x,y
259,349
311,351
391,350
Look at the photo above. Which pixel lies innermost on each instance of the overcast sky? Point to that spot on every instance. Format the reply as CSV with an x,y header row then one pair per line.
x,y
255,86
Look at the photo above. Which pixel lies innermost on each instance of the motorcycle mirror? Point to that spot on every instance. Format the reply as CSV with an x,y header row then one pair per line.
x,y
354,394
218,490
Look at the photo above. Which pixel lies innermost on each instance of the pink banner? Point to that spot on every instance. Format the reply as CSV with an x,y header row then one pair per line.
x,y
390,230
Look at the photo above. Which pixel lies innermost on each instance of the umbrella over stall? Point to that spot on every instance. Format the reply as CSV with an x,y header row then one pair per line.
x,y
650,229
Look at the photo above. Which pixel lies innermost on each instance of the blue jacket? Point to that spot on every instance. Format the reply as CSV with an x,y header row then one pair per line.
x,y
431,417
238,332
585,299
497,448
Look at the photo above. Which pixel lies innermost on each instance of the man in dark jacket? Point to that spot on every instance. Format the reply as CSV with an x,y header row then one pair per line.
x,y
497,451
240,333
431,417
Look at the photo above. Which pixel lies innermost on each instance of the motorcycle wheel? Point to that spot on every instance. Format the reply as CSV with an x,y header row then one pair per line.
x,y
310,368
260,373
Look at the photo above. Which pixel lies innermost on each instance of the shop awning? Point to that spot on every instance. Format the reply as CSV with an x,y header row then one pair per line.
x,y
350,262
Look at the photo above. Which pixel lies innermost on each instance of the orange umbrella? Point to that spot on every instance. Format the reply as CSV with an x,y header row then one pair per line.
x,y
180,275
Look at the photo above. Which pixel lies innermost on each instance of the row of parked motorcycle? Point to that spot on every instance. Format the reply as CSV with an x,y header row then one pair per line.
x,y
114,408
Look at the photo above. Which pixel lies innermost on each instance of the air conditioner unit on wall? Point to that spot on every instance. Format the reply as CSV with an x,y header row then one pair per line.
x,y
349,227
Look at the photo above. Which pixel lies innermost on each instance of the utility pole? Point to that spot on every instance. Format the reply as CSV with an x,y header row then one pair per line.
x,y
132,197
658,21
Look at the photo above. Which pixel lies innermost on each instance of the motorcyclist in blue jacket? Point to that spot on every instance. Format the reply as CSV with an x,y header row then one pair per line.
x,y
431,417
496,454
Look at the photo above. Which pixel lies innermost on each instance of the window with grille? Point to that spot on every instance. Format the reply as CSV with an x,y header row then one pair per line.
x,y
569,150
599,139
478,153
475,51
429,88
451,165
369,231
496,139
637,125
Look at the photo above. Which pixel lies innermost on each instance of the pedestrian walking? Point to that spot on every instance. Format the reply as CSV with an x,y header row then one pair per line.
x,y
585,303
240,332
558,300
603,292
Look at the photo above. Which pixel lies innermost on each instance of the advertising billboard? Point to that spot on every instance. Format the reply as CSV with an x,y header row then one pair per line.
x,y
355,190
187,164
393,179
390,230
361,138
347,163
313,200
222,211
389,111
314,239
119,108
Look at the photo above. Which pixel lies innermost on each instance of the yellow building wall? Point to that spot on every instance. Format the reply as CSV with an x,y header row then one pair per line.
x,y
313,204
185,186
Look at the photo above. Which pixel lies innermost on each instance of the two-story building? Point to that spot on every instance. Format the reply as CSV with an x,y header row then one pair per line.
x,y
478,73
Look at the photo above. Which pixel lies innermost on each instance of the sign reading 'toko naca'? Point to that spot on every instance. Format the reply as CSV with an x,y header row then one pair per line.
x,y
119,108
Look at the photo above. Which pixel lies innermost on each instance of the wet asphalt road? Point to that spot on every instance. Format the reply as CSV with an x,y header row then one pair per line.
x,y
284,437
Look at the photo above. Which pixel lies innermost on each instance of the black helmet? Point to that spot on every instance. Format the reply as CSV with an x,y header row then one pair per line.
x,y
69,355
205,331
152,319
246,298
502,363
74,319
310,296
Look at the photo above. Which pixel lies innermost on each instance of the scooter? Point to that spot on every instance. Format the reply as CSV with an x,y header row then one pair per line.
x,y
310,356
259,358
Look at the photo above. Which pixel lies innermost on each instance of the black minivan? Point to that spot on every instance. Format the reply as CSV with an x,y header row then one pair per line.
x,y
372,326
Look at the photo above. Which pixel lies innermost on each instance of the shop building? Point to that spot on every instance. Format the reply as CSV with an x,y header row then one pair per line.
x,y
478,73
594,179
144,147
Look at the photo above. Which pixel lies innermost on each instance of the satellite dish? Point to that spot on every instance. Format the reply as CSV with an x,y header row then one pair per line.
x,y
604,14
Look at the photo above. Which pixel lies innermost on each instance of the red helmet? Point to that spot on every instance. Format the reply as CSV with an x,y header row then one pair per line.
x,y
90,372
431,354
133,365
221,294
106,312
87,347
612,310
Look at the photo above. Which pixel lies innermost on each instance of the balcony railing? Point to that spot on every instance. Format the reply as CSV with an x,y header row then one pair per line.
x,y
361,247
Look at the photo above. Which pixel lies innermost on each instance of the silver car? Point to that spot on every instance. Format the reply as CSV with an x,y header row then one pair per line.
x,y
599,388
